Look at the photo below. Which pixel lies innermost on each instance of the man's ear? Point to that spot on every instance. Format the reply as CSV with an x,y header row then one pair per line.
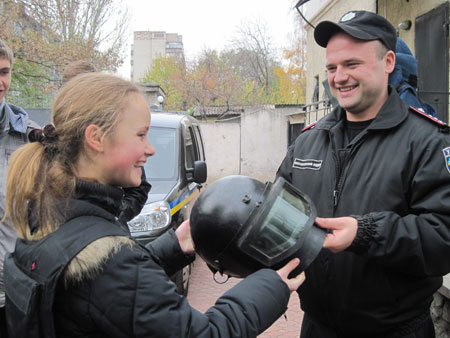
x,y
94,137
390,61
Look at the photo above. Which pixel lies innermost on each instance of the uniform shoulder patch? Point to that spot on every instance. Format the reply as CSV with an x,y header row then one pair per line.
x,y
443,126
432,118
309,126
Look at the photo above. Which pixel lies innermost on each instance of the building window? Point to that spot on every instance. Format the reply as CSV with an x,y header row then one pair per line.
x,y
159,35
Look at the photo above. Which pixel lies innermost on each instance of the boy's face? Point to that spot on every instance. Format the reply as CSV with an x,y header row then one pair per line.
x,y
5,77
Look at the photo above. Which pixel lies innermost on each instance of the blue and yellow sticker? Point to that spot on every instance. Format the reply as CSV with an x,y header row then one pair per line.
x,y
182,200
446,152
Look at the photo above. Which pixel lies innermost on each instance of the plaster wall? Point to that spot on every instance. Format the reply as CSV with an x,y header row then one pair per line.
x,y
253,145
222,148
264,143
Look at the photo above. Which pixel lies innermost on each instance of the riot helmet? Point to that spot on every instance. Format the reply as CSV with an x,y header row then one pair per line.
x,y
240,225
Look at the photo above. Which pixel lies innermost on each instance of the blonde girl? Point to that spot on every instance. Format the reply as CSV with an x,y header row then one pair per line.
x,y
79,166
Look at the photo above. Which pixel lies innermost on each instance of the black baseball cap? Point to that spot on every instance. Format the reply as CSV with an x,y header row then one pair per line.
x,y
361,25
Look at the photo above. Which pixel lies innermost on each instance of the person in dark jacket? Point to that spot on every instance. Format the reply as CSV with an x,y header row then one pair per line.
x,y
404,78
114,287
381,185
14,128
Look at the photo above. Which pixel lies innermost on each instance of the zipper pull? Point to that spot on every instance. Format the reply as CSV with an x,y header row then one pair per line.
x,y
335,197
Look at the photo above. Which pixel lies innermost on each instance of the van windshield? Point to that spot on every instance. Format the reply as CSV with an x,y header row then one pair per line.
x,y
163,165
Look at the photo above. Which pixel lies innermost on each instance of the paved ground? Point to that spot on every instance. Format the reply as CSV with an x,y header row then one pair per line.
x,y
203,292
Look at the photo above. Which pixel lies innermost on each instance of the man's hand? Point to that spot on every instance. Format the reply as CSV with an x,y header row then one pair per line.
x,y
343,232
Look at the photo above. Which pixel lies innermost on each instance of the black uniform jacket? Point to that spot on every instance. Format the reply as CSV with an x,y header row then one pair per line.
x,y
396,176
116,288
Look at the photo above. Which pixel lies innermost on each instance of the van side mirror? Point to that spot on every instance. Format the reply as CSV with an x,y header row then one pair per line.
x,y
199,172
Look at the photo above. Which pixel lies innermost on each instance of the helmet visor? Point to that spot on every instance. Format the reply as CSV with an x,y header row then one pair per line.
x,y
278,226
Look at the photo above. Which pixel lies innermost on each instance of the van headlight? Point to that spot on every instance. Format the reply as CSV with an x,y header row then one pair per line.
x,y
153,217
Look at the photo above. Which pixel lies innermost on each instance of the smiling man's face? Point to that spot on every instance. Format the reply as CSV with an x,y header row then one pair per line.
x,y
5,77
358,75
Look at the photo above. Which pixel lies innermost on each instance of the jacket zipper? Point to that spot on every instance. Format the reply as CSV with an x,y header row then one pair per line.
x,y
338,171
341,167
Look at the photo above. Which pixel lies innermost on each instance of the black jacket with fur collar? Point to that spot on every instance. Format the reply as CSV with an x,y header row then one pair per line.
x,y
116,288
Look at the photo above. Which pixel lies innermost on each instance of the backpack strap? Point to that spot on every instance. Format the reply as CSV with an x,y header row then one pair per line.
x,y
33,270
57,249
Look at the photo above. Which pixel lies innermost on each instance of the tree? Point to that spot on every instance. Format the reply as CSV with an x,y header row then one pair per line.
x,y
206,81
293,75
46,35
249,72
170,74
254,55
211,81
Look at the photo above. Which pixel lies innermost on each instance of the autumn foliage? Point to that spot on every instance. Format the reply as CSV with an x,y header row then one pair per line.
x,y
46,35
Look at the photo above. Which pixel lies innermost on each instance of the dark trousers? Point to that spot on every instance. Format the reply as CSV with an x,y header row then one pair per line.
x,y
421,327
3,332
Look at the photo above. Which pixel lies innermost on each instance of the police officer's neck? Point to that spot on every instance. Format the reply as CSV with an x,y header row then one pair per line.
x,y
369,113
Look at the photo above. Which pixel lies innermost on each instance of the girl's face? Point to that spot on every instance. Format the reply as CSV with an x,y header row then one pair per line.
x,y
127,148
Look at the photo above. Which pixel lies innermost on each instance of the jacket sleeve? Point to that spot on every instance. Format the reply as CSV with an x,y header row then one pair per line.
x,y
417,242
134,200
168,253
150,307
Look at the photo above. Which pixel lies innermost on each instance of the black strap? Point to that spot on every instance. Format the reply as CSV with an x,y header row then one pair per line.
x,y
57,249
33,270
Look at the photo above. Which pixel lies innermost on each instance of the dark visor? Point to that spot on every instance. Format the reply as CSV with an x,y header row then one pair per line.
x,y
278,226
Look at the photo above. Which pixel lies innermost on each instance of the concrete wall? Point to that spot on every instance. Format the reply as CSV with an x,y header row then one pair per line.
x,y
264,140
222,147
41,116
253,145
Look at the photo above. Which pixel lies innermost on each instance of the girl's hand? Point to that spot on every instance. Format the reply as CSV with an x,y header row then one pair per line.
x,y
293,283
184,237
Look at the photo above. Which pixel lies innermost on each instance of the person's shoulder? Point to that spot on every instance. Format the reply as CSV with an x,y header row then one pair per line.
x,y
16,109
92,258
21,111
32,125
429,120
310,126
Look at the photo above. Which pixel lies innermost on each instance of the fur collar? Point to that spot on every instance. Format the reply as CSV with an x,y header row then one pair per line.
x,y
89,262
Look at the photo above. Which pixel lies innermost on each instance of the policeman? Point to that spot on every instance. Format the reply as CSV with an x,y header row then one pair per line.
x,y
378,172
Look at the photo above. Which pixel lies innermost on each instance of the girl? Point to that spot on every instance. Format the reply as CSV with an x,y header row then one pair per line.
x,y
114,287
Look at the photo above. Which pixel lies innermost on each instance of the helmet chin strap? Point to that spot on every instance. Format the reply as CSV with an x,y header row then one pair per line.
x,y
215,271
219,281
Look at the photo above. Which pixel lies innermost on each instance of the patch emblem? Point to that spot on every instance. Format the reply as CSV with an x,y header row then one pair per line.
x,y
446,152
309,164
348,16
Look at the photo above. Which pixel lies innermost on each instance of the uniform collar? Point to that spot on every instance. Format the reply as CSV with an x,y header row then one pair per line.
x,y
391,114
16,118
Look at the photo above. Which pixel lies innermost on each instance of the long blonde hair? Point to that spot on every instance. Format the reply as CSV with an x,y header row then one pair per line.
x,y
41,174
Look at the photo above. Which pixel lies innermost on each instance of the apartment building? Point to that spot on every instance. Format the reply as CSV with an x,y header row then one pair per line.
x,y
148,45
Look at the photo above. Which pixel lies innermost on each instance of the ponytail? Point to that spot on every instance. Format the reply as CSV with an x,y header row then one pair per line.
x,y
36,178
